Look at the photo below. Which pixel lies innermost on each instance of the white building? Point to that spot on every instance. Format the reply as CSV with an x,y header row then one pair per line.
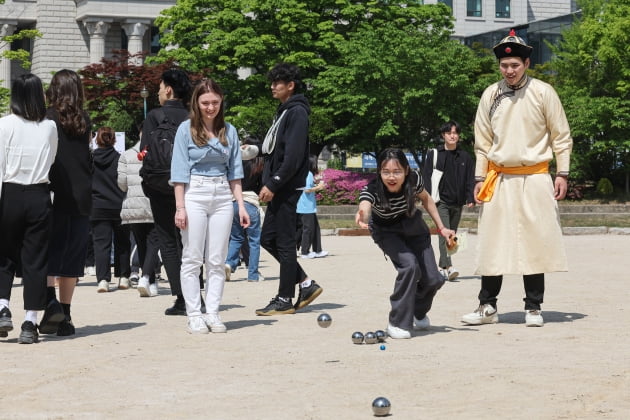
x,y
77,32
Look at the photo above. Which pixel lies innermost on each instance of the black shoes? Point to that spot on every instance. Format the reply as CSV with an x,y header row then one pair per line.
x,y
308,294
6,324
277,307
29,333
53,316
178,308
66,327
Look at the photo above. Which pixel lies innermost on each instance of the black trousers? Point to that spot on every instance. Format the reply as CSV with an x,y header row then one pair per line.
x,y
534,290
278,238
25,223
311,236
163,208
148,245
103,231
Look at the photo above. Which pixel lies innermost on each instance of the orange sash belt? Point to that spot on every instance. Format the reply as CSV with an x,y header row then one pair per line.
x,y
487,188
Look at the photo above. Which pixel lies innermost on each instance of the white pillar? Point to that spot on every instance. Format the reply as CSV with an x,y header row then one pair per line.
x,y
135,34
97,31
5,64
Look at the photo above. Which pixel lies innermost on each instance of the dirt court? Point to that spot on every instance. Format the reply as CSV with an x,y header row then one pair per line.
x,y
130,361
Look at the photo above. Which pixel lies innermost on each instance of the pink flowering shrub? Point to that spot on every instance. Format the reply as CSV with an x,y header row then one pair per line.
x,y
342,187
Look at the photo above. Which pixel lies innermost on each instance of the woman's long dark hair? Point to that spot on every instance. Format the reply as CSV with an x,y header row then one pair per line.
x,y
196,120
27,97
65,95
408,188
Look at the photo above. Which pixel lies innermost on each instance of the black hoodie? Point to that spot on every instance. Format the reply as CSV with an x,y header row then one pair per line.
x,y
286,167
107,198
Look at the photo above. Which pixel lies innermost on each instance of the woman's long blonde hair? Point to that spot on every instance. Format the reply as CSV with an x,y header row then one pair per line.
x,y
196,120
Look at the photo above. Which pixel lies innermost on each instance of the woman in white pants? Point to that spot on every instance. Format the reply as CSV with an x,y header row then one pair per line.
x,y
206,171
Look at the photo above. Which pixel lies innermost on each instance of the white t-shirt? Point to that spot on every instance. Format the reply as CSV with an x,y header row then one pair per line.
x,y
28,149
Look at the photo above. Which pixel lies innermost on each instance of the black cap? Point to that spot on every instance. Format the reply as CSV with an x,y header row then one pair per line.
x,y
512,46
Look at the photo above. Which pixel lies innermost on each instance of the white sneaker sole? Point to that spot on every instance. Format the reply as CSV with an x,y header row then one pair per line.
x,y
144,291
488,320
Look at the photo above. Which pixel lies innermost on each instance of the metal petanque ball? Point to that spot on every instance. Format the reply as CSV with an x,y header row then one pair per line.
x,y
324,320
380,335
370,338
381,406
357,337
383,347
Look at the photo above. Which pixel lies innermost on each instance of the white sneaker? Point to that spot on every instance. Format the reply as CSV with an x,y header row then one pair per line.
x,y
321,254
228,272
444,273
484,314
124,283
310,255
196,325
395,332
452,273
153,289
103,286
143,287
90,271
533,318
213,322
421,324
133,278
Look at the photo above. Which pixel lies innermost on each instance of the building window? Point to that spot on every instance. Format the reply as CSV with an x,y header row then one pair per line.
x,y
473,8
502,8
449,3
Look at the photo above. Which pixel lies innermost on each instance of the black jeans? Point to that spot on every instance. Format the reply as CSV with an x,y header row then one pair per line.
x,y
148,245
311,236
534,290
278,238
102,233
163,208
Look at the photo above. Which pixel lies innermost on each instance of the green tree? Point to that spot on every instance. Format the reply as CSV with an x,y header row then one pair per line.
x,y
592,76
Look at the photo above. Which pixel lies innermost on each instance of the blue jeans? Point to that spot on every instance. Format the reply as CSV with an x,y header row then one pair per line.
x,y
237,236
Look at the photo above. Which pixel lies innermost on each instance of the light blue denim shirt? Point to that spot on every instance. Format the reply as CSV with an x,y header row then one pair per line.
x,y
213,159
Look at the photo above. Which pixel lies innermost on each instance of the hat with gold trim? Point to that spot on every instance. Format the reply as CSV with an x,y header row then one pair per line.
x,y
512,46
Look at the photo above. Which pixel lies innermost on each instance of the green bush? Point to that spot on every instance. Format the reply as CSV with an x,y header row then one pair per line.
x,y
604,187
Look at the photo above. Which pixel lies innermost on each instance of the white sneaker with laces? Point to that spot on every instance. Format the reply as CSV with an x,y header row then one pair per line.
x,y
90,270
533,318
395,332
452,273
214,324
484,314
321,254
123,283
421,324
196,325
103,286
143,287
153,289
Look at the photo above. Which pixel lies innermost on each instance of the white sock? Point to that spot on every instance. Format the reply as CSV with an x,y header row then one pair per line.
x,y
4,303
305,283
31,316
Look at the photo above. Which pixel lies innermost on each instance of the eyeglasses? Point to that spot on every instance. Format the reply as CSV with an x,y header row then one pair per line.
x,y
395,174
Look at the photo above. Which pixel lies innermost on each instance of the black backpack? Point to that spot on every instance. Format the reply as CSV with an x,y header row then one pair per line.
x,y
156,163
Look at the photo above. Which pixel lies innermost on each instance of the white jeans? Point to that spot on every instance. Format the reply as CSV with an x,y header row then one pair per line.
x,y
209,208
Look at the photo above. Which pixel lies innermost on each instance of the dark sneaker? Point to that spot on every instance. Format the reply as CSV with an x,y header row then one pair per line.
x,y
6,324
178,308
29,333
53,315
276,307
66,327
308,294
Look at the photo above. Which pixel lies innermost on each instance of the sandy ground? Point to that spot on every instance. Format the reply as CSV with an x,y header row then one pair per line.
x,y
128,360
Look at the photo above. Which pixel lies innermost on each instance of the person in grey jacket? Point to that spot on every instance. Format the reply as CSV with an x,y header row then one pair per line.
x,y
136,212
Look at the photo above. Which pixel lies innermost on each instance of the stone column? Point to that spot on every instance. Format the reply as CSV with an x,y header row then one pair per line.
x,y
97,30
135,30
6,29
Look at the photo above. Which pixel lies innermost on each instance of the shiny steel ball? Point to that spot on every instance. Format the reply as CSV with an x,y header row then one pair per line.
x,y
370,338
357,337
381,406
324,320
380,335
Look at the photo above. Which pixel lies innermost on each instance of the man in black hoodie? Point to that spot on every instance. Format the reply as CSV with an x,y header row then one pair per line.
x,y
286,153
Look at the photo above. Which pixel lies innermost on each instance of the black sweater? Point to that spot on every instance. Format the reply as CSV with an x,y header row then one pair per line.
x,y
458,180
107,198
286,167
